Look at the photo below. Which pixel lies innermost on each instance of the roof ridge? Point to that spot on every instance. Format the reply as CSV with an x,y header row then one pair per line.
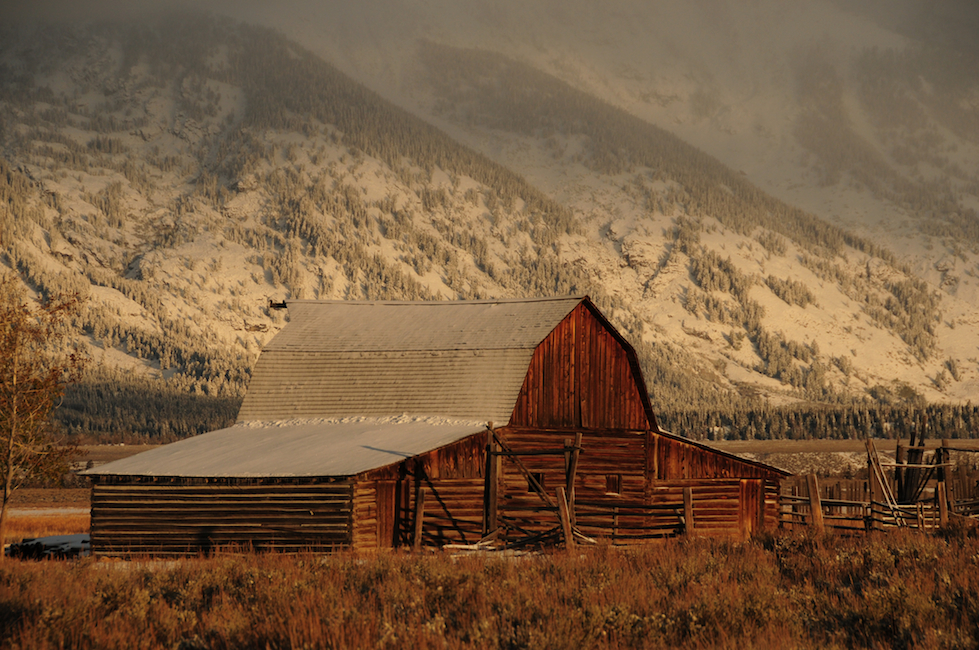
x,y
436,303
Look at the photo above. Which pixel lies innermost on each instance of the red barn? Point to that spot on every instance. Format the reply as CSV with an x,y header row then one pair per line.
x,y
377,424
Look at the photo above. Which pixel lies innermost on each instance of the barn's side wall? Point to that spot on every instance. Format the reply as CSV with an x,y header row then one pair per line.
x,y
582,376
141,516
674,458
610,474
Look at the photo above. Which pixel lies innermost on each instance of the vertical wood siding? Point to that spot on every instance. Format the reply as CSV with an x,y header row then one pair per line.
x,y
145,518
581,376
678,459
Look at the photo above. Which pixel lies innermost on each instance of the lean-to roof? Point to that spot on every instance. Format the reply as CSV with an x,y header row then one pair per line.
x,y
463,360
296,448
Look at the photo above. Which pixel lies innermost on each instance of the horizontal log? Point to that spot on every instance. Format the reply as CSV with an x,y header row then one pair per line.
x,y
137,488
219,509
178,509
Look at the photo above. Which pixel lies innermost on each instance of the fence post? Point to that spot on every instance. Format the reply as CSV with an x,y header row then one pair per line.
x,y
942,495
815,505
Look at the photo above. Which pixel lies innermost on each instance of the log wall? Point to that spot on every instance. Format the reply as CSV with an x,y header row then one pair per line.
x,y
453,512
724,507
146,518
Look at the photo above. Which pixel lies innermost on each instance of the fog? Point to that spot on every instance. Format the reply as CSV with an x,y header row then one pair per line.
x,y
726,41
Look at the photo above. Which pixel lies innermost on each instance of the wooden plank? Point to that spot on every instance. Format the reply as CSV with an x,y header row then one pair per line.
x,y
942,495
419,519
562,503
815,506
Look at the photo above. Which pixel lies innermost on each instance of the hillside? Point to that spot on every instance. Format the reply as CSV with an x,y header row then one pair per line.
x,y
181,172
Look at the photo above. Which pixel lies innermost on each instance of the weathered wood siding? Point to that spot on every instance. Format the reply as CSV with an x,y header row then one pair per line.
x,y
365,537
724,507
193,517
674,458
453,511
582,375
452,477
611,469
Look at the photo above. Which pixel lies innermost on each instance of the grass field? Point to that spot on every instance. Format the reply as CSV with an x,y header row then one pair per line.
x,y
42,524
887,591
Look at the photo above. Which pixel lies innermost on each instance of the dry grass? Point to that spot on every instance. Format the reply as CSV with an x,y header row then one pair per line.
x,y
894,591
41,525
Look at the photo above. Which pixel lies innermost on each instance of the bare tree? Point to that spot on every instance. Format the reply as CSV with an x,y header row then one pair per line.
x,y
35,366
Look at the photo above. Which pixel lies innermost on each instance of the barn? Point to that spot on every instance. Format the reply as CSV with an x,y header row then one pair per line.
x,y
371,425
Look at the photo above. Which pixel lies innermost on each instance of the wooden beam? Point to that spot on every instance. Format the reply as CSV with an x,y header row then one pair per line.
x,y
943,461
562,508
419,518
572,450
492,489
815,505
531,481
900,459
688,511
942,495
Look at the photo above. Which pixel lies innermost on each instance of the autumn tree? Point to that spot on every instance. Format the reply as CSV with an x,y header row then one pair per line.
x,y
36,363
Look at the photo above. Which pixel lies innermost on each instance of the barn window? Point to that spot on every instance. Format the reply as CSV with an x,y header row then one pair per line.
x,y
537,476
613,483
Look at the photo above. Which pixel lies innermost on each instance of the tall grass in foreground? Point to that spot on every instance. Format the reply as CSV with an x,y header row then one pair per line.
x,y
886,591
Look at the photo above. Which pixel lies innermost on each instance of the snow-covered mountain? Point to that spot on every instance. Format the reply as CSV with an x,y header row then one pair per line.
x,y
773,201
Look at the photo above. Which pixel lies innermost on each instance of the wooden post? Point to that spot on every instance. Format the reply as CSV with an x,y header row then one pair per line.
x,y
419,518
572,449
943,459
942,494
815,504
562,509
873,488
921,516
899,458
491,493
688,511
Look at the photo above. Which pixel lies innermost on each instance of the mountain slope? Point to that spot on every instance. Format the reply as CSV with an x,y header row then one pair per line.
x,y
182,173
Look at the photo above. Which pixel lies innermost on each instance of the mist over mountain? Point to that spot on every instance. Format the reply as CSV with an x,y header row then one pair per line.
x,y
776,204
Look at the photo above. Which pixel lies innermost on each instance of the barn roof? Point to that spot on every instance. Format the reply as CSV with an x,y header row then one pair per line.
x,y
463,360
294,448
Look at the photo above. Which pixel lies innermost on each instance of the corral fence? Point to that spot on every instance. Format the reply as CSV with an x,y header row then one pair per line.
x,y
914,492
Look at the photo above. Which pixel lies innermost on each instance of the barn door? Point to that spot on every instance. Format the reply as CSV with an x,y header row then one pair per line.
x,y
751,506
386,519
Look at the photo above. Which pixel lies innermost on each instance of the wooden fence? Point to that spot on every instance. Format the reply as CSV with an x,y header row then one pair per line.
x,y
804,505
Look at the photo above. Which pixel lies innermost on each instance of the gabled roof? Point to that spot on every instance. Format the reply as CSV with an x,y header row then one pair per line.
x,y
464,360
294,448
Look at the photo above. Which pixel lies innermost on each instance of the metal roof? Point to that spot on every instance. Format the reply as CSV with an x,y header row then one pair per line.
x,y
294,448
464,360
